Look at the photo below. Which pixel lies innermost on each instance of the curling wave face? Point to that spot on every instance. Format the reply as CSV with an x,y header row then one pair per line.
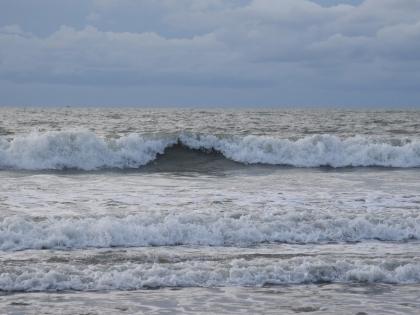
x,y
84,150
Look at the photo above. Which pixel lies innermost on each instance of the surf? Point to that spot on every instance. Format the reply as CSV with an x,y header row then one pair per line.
x,y
86,151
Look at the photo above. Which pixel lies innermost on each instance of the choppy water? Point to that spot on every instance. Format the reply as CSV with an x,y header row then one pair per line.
x,y
219,211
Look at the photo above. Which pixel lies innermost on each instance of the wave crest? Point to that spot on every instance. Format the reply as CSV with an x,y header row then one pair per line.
x,y
78,150
86,151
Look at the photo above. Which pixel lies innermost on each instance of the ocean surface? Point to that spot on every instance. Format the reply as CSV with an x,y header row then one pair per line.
x,y
144,211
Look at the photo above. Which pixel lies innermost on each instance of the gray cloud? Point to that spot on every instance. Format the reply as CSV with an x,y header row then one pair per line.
x,y
282,46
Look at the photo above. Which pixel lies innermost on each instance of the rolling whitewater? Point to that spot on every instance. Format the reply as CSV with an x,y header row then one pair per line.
x,y
129,210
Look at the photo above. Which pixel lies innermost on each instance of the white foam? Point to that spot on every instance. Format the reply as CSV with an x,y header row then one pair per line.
x,y
312,151
78,149
237,272
86,151
18,233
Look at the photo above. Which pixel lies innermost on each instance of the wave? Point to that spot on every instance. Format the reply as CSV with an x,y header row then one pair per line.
x,y
237,272
21,233
78,150
84,150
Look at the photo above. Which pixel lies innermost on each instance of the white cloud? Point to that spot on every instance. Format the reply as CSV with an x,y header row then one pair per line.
x,y
231,43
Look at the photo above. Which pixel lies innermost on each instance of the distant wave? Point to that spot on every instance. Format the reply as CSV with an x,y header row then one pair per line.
x,y
84,150
237,272
21,233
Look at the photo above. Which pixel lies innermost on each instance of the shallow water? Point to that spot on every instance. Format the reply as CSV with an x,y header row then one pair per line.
x,y
304,299
142,211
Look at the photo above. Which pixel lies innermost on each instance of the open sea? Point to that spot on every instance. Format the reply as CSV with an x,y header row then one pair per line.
x,y
170,211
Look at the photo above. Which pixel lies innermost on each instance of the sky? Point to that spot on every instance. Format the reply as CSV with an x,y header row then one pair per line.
x,y
217,53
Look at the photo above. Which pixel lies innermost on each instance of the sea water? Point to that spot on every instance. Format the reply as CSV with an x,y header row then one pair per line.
x,y
119,210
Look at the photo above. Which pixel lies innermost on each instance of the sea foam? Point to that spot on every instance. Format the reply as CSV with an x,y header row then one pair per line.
x,y
19,233
86,151
78,150
237,272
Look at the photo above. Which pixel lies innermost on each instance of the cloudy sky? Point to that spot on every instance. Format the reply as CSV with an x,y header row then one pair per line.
x,y
361,53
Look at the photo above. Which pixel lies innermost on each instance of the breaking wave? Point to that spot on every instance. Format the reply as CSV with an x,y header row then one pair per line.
x,y
84,150
237,272
20,233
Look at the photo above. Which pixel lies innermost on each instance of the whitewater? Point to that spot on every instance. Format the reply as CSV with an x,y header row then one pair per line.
x,y
86,151
113,210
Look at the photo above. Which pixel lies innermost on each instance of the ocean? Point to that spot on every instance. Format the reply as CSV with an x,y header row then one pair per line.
x,y
194,211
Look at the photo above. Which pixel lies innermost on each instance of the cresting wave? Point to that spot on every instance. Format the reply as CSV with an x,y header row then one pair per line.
x,y
84,150
20,233
237,272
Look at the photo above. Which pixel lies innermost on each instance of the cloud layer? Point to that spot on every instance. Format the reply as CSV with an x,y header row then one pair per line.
x,y
292,45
